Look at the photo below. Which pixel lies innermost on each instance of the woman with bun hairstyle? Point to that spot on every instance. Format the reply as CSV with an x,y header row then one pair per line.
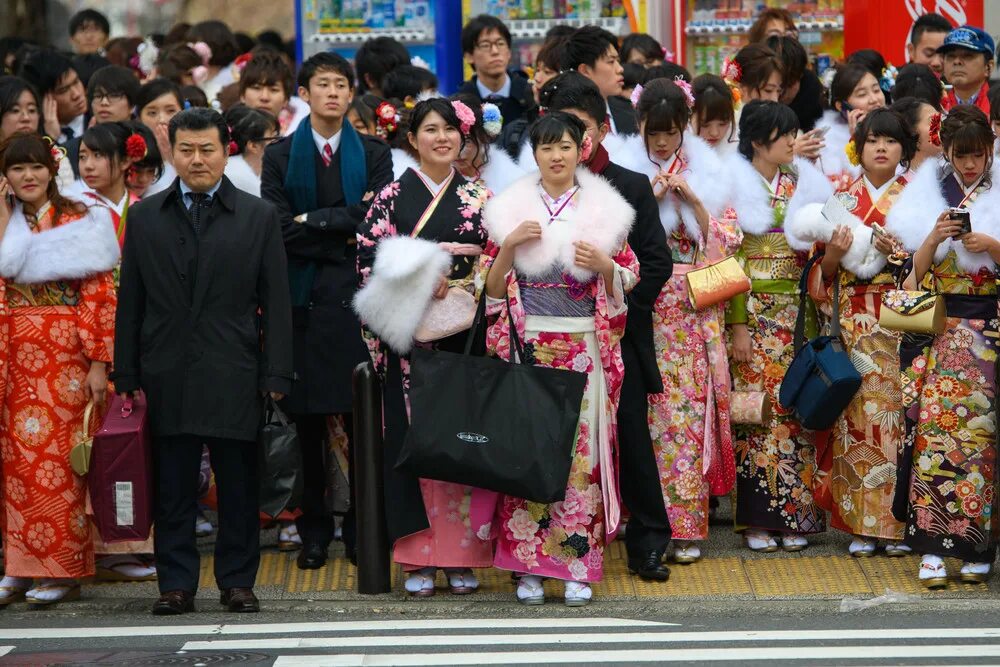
x,y
856,259
478,161
252,131
775,460
56,260
947,479
558,264
689,421
107,153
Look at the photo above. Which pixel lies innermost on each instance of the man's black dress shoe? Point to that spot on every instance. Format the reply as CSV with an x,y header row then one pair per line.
x,y
240,600
173,603
312,557
650,567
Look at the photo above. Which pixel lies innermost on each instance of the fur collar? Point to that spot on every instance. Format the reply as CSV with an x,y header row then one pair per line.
x,y
73,250
915,213
703,168
400,288
602,217
242,175
401,161
750,199
833,158
501,170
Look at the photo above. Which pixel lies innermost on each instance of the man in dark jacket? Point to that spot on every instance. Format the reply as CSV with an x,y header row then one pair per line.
x,y
486,46
593,52
322,179
203,328
648,531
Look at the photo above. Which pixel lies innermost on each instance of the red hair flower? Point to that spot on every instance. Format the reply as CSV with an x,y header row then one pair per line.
x,y
731,71
386,119
135,147
935,129
586,148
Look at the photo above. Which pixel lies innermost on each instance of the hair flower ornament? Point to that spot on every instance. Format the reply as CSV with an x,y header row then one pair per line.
x,y
934,132
636,94
669,56
466,117
731,71
240,64
888,79
203,50
135,147
586,148
55,150
386,119
492,120
686,88
144,60
851,149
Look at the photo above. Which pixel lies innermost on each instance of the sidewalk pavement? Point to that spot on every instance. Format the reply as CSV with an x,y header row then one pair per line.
x,y
728,571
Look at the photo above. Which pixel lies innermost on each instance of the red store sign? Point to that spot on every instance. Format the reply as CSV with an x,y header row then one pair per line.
x,y
884,25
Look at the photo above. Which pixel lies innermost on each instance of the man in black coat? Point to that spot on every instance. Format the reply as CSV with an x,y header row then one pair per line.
x,y
204,329
322,179
486,45
648,531
593,52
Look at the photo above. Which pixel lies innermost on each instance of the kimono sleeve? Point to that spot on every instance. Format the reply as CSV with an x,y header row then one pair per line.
x,y
95,316
377,226
736,309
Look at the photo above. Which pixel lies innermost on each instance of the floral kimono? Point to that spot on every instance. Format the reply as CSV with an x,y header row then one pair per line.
x,y
867,436
436,228
57,315
689,422
948,487
775,462
568,318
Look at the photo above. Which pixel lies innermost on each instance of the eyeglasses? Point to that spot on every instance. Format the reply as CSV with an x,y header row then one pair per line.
x,y
486,46
270,140
110,98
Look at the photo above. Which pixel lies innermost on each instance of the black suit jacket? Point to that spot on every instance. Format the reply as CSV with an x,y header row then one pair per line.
x,y
327,333
187,330
512,108
624,115
649,243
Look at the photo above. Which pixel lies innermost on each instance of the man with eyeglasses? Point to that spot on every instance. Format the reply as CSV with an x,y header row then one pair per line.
x,y
486,44
111,95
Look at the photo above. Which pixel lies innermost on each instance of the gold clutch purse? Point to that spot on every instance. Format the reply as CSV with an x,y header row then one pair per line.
x,y
716,283
912,311
79,455
749,407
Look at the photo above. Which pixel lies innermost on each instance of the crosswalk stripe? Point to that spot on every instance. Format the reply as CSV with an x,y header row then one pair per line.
x,y
332,626
591,638
643,655
4,650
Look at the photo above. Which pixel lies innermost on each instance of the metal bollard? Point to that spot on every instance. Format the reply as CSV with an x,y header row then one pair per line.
x,y
369,496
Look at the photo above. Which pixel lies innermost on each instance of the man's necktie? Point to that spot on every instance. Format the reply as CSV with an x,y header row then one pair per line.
x,y
199,202
68,132
327,154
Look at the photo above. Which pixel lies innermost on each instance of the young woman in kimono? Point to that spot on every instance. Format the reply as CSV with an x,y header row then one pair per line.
x,y
775,461
949,483
924,122
558,252
480,160
57,321
430,220
689,421
713,118
854,92
867,436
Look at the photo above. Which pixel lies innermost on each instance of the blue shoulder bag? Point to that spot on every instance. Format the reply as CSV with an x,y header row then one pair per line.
x,y
821,380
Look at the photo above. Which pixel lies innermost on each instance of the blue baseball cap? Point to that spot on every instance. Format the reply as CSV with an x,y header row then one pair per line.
x,y
968,37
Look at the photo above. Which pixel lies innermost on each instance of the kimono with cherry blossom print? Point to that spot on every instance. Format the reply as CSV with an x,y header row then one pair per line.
x,y
453,232
568,318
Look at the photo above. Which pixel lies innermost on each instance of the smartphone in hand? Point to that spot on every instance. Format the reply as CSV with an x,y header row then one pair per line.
x,y
963,217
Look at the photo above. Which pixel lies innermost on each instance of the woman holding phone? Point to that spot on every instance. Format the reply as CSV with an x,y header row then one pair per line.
x,y
854,92
949,218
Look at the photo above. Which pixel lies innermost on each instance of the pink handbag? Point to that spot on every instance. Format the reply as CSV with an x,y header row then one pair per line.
x,y
121,473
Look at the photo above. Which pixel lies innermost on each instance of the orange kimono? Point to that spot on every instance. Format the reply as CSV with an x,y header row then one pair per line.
x,y
57,315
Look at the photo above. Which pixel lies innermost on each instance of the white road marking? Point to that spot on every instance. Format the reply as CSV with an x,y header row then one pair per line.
x,y
595,638
654,655
4,650
334,626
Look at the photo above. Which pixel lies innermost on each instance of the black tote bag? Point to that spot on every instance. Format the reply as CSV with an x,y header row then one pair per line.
x,y
492,424
279,462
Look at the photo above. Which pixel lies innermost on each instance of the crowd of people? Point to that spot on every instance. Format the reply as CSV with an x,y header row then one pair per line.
x,y
189,217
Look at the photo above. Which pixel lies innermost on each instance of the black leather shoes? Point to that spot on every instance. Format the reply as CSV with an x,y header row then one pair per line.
x,y
173,603
312,557
649,567
240,600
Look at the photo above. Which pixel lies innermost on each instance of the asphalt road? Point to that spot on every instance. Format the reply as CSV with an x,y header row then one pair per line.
x,y
955,632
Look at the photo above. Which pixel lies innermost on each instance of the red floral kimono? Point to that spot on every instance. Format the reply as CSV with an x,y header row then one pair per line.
x,y
57,315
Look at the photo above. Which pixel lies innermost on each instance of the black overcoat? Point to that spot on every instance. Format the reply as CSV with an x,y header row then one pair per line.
x,y
204,322
326,334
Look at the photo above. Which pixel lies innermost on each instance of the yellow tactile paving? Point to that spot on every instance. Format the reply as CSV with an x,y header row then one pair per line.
x,y
274,568
805,577
337,575
710,576
900,574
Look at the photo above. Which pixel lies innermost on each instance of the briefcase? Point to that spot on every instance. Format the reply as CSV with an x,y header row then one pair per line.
x,y
121,472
